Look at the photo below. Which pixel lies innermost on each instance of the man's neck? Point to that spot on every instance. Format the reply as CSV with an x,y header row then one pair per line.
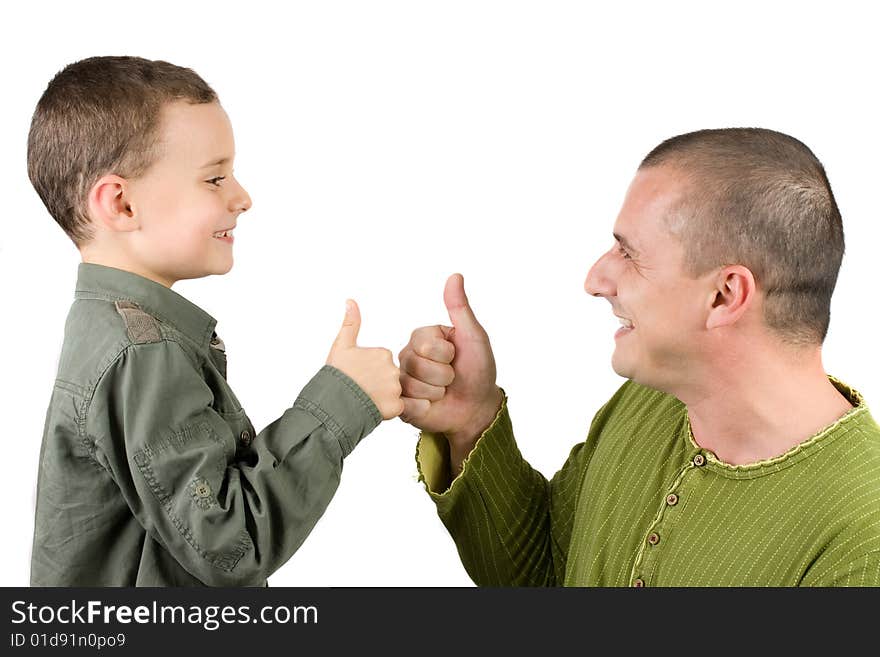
x,y
756,410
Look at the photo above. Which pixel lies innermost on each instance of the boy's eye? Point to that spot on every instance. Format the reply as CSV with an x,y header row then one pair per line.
x,y
215,180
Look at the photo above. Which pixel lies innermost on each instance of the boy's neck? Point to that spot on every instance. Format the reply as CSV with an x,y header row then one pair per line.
x,y
92,256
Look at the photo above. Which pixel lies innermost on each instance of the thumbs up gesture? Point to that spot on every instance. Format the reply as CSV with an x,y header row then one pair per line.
x,y
373,369
448,375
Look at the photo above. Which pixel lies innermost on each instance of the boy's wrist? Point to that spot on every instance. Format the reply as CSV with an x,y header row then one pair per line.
x,y
341,404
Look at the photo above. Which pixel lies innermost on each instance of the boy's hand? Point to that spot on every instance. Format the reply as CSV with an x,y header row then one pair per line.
x,y
373,369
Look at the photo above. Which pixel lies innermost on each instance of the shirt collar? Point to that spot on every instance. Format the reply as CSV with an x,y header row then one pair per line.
x,y
101,282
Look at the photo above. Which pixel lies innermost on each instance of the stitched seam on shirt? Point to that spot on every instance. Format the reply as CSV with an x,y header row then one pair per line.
x,y
244,542
225,561
69,386
101,296
327,420
87,442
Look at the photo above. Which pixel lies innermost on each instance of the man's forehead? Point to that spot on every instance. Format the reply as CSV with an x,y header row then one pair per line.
x,y
652,194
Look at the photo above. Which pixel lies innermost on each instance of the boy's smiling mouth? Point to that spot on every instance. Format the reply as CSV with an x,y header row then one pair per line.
x,y
225,235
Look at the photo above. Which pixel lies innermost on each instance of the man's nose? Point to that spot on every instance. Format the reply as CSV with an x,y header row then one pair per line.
x,y
599,282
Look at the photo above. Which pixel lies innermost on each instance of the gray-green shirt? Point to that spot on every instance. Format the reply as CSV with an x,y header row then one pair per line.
x,y
151,473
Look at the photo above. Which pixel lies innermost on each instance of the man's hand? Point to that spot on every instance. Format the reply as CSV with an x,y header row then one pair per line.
x,y
448,376
373,369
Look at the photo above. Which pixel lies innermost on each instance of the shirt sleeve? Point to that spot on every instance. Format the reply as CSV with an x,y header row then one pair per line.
x,y
861,571
512,526
229,517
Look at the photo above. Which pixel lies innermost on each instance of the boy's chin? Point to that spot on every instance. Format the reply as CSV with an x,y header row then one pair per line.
x,y
221,268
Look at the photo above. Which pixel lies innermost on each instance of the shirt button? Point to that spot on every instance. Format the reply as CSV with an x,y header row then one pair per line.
x,y
245,437
699,460
653,538
672,499
638,583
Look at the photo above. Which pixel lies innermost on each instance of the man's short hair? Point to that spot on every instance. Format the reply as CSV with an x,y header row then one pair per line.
x,y
760,199
97,116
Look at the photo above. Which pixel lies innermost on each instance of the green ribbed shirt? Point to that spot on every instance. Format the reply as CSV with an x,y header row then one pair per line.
x,y
639,503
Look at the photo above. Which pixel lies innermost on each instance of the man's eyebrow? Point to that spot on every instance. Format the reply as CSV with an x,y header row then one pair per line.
x,y
214,163
625,243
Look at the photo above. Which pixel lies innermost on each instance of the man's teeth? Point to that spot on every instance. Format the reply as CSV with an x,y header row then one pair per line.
x,y
225,233
625,322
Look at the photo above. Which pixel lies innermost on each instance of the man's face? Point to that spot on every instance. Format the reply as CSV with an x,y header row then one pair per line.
x,y
188,196
642,276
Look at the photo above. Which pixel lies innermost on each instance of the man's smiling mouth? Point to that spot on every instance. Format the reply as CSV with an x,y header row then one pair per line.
x,y
626,326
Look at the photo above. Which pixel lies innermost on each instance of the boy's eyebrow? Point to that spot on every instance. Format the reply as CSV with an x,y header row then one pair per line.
x,y
222,160
622,240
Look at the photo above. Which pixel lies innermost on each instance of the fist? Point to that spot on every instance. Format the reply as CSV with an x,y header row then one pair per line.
x,y
447,373
373,369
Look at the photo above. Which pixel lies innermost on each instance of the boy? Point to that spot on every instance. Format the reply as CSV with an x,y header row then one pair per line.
x,y
151,473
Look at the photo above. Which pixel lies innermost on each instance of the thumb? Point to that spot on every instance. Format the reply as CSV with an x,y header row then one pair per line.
x,y
350,325
457,306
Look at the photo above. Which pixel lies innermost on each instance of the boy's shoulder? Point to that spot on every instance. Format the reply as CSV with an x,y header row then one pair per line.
x,y
99,331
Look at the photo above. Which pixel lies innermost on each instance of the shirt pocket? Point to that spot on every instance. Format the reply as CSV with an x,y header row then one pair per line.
x,y
187,473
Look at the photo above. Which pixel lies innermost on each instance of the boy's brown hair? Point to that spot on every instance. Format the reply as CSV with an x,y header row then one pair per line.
x,y
98,116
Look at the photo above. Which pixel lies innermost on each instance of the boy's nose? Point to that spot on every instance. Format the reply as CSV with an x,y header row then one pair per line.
x,y
599,282
242,200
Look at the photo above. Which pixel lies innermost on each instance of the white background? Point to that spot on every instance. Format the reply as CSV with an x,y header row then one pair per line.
x,y
389,144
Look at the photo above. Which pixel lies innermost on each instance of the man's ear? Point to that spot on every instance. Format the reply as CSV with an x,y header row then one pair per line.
x,y
732,294
109,206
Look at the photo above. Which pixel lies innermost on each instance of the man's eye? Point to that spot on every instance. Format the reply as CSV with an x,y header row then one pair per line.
x,y
623,253
216,180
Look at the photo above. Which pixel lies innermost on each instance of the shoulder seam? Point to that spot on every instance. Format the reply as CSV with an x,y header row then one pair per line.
x,y
85,406
142,327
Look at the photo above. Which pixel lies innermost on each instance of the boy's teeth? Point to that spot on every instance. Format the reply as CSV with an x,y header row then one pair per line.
x,y
625,322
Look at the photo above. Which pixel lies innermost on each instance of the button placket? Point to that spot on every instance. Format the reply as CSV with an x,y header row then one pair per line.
x,y
649,550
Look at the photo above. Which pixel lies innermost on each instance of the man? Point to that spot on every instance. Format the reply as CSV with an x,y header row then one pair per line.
x,y
729,458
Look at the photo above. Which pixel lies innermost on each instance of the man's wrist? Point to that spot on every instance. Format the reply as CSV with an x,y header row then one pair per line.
x,y
465,438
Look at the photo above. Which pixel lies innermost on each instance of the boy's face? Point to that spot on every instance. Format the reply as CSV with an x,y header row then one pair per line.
x,y
188,197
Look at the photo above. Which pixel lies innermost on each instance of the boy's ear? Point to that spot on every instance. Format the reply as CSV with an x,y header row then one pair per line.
x,y
109,206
